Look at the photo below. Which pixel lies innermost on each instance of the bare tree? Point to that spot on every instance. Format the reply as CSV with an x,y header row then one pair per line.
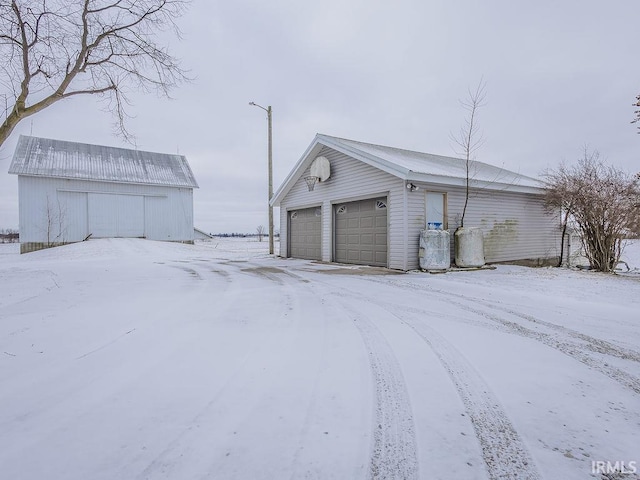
x,y
9,235
55,224
260,232
560,198
637,112
602,201
469,138
52,50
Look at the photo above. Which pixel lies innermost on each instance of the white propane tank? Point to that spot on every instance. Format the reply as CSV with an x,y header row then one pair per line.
x,y
469,247
434,250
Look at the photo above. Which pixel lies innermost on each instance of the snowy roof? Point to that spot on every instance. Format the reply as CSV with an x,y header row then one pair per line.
x,y
58,158
412,166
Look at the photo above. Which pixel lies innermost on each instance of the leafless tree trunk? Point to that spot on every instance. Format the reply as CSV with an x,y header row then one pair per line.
x,y
57,49
601,200
260,232
55,225
469,139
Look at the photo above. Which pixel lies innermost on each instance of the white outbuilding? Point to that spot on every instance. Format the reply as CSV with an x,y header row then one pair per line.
x,y
69,192
353,202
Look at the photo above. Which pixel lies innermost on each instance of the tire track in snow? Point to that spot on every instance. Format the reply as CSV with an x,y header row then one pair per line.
x,y
578,350
504,453
168,460
394,443
594,344
394,451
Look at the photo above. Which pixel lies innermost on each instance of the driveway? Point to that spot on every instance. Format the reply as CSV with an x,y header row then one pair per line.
x,y
145,360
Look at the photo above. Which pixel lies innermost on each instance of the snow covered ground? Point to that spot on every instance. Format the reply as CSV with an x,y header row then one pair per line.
x,y
132,359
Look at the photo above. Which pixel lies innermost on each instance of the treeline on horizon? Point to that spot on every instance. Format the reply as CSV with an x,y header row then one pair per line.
x,y
243,235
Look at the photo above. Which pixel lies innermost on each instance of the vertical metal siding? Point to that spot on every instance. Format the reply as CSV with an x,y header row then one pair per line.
x,y
74,206
175,215
350,180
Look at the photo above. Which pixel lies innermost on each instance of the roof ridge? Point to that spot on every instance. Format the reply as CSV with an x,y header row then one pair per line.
x,y
477,162
59,141
399,149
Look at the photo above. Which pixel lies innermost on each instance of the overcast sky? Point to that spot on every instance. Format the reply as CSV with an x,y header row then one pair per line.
x,y
559,75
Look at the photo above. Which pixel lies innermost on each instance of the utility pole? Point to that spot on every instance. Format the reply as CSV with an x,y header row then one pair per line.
x,y
268,110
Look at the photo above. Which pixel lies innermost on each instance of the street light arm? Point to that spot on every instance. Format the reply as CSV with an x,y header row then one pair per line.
x,y
254,104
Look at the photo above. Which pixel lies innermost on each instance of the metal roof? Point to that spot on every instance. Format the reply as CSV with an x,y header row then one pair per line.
x,y
413,166
436,165
45,157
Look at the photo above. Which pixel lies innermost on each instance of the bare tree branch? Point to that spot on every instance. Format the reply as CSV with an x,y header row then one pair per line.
x,y
56,49
637,112
469,138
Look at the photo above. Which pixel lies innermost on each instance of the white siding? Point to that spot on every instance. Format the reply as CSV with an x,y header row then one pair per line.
x,y
350,180
167,212
73,206
515,225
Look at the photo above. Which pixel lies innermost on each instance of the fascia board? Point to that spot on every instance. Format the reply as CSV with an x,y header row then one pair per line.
x,y
99,180
461,182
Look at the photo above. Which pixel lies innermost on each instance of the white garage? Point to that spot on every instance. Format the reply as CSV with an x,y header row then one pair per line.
x,y
69,192
373,201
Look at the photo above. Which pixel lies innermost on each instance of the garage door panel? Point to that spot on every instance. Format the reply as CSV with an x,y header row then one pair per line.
x,y
366,239
353,256
361,232
353,223
367,222
305,233
366,256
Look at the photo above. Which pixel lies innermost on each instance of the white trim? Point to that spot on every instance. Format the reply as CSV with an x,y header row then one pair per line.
x,y
106,192
98,180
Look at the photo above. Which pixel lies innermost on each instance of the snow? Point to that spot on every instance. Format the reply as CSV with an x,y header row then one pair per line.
x,y
135,359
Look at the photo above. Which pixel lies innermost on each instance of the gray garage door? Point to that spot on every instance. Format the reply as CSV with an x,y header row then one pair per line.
x,y
361,232
305,232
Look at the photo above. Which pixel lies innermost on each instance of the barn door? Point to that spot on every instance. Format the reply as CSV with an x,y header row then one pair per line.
x,y
112,215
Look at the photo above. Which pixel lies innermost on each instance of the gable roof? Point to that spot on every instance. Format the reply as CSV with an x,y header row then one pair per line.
x,y
45,157
412,166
